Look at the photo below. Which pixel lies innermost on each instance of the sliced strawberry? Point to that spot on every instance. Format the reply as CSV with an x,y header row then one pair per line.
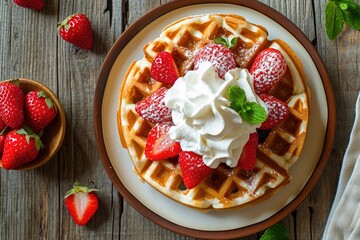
x,y
193,169
248,156
153,107
221,58
268,68
159,145
82,203
278,111
164,69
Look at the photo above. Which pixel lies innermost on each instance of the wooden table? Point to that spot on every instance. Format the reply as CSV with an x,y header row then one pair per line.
x,y
31,202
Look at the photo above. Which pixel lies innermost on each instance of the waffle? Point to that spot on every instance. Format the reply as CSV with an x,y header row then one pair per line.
x,y
226,187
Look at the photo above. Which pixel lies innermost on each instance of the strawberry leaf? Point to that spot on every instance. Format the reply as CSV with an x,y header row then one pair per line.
x,y
38,143
79,188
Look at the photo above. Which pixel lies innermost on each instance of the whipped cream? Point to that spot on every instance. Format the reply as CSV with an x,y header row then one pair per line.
x,y
204,123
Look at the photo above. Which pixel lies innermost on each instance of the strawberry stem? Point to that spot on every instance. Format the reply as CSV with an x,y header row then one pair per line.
x,y
79,188
64,23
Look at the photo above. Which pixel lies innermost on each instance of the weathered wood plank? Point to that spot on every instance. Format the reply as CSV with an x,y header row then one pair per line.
x,y
79,160
25,52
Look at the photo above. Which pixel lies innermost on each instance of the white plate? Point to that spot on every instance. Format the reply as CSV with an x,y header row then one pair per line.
x,y
171,210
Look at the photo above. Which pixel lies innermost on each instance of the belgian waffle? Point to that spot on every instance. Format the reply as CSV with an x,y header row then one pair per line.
x,y
226,187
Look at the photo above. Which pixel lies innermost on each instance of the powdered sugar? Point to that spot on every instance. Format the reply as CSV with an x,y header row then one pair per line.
x,y
268,68
220,57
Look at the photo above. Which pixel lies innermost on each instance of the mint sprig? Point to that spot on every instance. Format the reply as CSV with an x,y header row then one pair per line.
x,y
277,231
250,112
226,42
338,12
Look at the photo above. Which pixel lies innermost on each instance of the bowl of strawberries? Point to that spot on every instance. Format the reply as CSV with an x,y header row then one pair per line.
x,y
32,124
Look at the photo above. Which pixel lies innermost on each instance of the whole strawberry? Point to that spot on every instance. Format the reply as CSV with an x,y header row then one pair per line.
x,y
2,140
11,104
76,29
2,125
40,110
33,4
82,203
20,147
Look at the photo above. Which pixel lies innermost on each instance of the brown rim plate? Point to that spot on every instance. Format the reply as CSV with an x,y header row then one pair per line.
x,y
164,211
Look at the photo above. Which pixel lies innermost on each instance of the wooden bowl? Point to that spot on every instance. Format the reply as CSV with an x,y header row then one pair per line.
x,y
54,133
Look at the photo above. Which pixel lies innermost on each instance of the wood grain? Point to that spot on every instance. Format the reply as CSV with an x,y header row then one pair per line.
x,y
31,202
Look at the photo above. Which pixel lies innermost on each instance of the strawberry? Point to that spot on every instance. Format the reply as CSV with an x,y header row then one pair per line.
x,y
193,169
221,58
11,104
33,4
153,108
20,147
82,203
278,111
159,145
164,69
2,125
248,156
40,110
76,29
268,68
3,134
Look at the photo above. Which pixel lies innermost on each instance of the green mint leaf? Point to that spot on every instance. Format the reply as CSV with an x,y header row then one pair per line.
x,y
352,16
226,42
237,97
343,6
233,41
250,112
221,41
253,113
275,232
334,20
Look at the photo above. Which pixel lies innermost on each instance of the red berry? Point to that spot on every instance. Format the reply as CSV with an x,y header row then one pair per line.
x,y
33,4
268,68
278,111
221,58
11,104
193,169
159,145
82,203
2,142
164,69
40,110
20,147
248,156
2,125
153,108
76,29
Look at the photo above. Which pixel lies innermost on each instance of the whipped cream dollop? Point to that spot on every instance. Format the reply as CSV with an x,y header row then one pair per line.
x,y
204,123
